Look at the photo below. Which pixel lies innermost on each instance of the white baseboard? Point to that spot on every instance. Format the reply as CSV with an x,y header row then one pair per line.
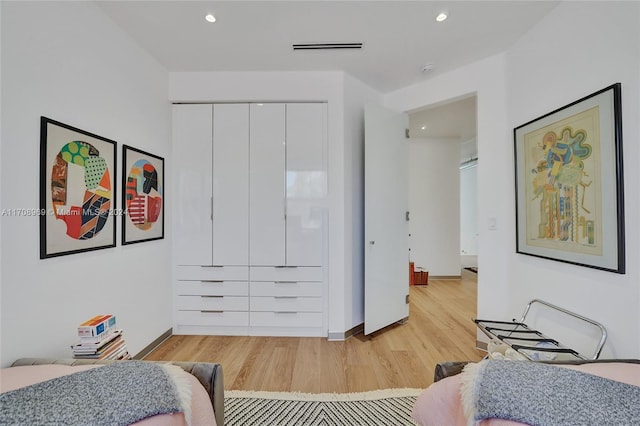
x,y
338,336
151,346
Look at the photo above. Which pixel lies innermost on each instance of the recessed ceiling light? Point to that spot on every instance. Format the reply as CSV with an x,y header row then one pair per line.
x,y
423,128
210,18
441,16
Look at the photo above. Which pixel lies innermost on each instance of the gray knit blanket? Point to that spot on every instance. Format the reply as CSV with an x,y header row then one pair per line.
x,y
542,394
120,393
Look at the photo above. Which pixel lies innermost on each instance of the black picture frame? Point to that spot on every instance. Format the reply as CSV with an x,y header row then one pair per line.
x,y
142,196
77,190
569,183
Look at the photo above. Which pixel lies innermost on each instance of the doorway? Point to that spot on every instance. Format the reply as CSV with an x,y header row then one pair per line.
x,y
433,156
442,187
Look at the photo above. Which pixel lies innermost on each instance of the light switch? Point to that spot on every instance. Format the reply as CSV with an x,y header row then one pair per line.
x,y
492,224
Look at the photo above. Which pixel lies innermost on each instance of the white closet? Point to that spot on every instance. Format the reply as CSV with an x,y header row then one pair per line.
x,y
267,184
249,222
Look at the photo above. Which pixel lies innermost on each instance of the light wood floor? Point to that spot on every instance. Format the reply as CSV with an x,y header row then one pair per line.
x,y
402,355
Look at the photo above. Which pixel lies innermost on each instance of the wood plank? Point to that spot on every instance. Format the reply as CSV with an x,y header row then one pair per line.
x,y
402,355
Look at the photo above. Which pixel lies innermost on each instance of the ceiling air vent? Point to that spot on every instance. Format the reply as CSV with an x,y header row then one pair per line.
x,y
326,46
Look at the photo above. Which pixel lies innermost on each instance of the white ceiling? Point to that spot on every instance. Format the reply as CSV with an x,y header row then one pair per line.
x,y
453,120
399,38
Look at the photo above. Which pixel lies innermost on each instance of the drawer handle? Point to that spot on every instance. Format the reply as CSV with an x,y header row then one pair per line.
x,y
211,281
285,266
285,282
212,266
285,297
212,297
285,313
212,312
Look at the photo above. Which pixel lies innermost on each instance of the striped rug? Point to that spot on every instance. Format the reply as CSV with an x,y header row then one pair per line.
x,y
381,407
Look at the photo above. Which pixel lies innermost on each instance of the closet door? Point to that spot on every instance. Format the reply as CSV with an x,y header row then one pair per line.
x,y
267,184
230,184
306,183
192,151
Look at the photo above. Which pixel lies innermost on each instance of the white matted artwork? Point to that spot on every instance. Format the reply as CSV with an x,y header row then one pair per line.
x,y
77,190
569,183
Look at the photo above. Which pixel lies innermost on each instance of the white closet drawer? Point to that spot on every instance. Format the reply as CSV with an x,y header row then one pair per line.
x,y
286,288
212,272
286,319
274,273
286,304
212,288
215,303
213,317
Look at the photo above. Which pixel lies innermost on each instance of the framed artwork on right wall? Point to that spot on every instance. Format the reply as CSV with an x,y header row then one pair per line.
x,y
569,183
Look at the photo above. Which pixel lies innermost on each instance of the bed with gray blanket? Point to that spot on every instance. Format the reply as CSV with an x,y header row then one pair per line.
x,y
510,393
145,393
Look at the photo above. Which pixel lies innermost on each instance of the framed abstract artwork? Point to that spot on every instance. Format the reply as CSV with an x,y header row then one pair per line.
x,y
569,183
77,190
143,196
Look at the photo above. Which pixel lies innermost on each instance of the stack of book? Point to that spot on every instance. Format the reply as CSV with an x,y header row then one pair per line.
x,y
100,339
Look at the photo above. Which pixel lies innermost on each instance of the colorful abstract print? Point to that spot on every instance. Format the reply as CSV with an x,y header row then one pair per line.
x,y
560,182
143,195
81,190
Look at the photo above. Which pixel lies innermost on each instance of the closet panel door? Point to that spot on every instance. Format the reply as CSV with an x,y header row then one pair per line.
x,y
306,183
231,184
267,184
192,151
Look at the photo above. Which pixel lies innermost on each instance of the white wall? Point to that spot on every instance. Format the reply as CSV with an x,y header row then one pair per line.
x,y
486,79
343,140
1,202
552,65
469,215
434,203
602,49
69,62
